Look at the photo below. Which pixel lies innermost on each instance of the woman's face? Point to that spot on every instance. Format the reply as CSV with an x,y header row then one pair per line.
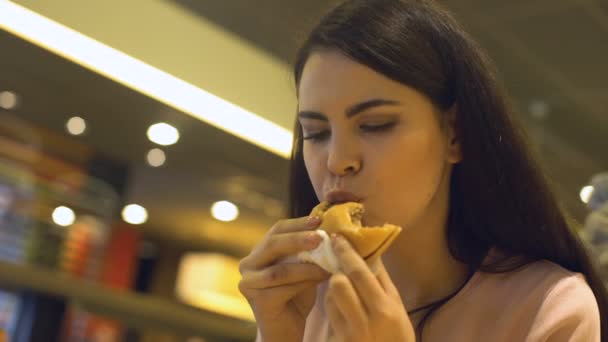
x,y
377,138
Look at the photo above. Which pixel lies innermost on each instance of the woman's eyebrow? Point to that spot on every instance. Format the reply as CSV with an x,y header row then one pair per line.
x,y
351,111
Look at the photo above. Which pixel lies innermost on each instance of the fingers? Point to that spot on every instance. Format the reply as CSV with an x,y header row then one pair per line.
x,y
275,287
296,225
282,274
354,267
282,245
279,246
346,300
277,294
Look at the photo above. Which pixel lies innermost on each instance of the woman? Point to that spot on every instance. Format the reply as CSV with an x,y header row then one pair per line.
x,y
399,109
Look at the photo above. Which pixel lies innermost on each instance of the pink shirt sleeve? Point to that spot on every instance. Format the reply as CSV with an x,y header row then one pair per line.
x,y
569,313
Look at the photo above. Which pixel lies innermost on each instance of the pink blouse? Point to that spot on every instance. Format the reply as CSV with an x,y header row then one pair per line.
x,y
541,301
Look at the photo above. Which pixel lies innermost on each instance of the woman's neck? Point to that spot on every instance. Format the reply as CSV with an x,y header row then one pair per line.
x,y
422,268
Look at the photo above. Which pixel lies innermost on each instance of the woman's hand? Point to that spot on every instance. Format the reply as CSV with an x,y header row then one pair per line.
x,y
281,294
361,306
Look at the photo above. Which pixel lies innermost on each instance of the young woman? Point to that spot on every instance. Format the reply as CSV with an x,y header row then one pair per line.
x,y
399,109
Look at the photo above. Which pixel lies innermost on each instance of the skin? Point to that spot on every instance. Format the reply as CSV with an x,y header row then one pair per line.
x,y
384,142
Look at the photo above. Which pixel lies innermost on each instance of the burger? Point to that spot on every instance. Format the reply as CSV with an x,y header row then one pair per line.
x,y
345,219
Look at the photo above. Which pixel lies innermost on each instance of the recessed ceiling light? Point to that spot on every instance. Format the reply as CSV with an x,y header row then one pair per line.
x,y
8,100
76,125
163,134
134,214
63,216
156,157
224,211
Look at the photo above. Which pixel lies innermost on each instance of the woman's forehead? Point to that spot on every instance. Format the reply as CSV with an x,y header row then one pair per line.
x,y
330,77
329,68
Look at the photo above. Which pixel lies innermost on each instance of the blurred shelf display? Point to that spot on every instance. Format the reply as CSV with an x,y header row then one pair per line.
x,y
70,268
53,214
125,306
9,303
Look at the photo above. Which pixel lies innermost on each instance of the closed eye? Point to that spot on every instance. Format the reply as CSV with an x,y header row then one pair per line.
x,y
376,128
322,135
317,137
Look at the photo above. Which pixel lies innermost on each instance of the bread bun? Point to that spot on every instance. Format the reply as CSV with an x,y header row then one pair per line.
x,y
345,219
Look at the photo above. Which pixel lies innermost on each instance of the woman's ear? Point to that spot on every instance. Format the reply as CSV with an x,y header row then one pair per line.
x,y
454,152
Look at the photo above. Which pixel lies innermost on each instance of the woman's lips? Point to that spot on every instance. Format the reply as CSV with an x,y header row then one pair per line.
x,y
341,196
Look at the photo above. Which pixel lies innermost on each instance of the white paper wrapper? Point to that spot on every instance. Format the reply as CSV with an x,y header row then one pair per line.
x,y
323,255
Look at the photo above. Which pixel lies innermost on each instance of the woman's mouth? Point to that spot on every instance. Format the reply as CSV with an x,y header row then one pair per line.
x,y
341,196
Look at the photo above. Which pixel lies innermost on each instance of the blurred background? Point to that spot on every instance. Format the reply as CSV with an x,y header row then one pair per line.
x,y
144,146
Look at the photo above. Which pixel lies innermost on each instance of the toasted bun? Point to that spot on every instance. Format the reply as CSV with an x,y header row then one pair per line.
x,y
345,219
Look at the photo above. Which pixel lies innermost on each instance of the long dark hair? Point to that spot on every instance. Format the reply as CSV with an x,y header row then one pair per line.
x,y
499,197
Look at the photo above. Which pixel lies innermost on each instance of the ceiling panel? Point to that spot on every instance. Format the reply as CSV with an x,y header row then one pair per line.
x,y
574,43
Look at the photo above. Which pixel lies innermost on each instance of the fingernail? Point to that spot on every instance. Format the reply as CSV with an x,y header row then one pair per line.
x,y
313,220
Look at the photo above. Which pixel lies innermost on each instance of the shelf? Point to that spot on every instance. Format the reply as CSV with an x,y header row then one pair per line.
x,y
130,308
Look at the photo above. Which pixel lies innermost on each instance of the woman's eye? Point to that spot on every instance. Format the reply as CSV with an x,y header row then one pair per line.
x,y
322,135
317,136
376,128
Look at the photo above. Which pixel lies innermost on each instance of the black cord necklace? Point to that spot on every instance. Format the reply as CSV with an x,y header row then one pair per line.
x,y
446,298
423,307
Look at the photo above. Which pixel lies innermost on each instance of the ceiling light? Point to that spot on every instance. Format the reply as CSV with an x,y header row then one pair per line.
x,y
156,157
76,125
63,216
586,193
134,214
144,78
163,134
224,211
8,100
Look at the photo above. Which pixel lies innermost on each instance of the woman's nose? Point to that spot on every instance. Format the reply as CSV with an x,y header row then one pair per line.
x,y
343,157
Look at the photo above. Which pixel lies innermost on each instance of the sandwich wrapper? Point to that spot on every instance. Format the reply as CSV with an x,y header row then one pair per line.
x,y
323,255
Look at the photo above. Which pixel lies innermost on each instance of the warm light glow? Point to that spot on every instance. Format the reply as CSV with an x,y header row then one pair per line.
x,y
224,211
134,214
586,193
8,100
210,281
63,216
163,134
156,157
144,78
76,125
